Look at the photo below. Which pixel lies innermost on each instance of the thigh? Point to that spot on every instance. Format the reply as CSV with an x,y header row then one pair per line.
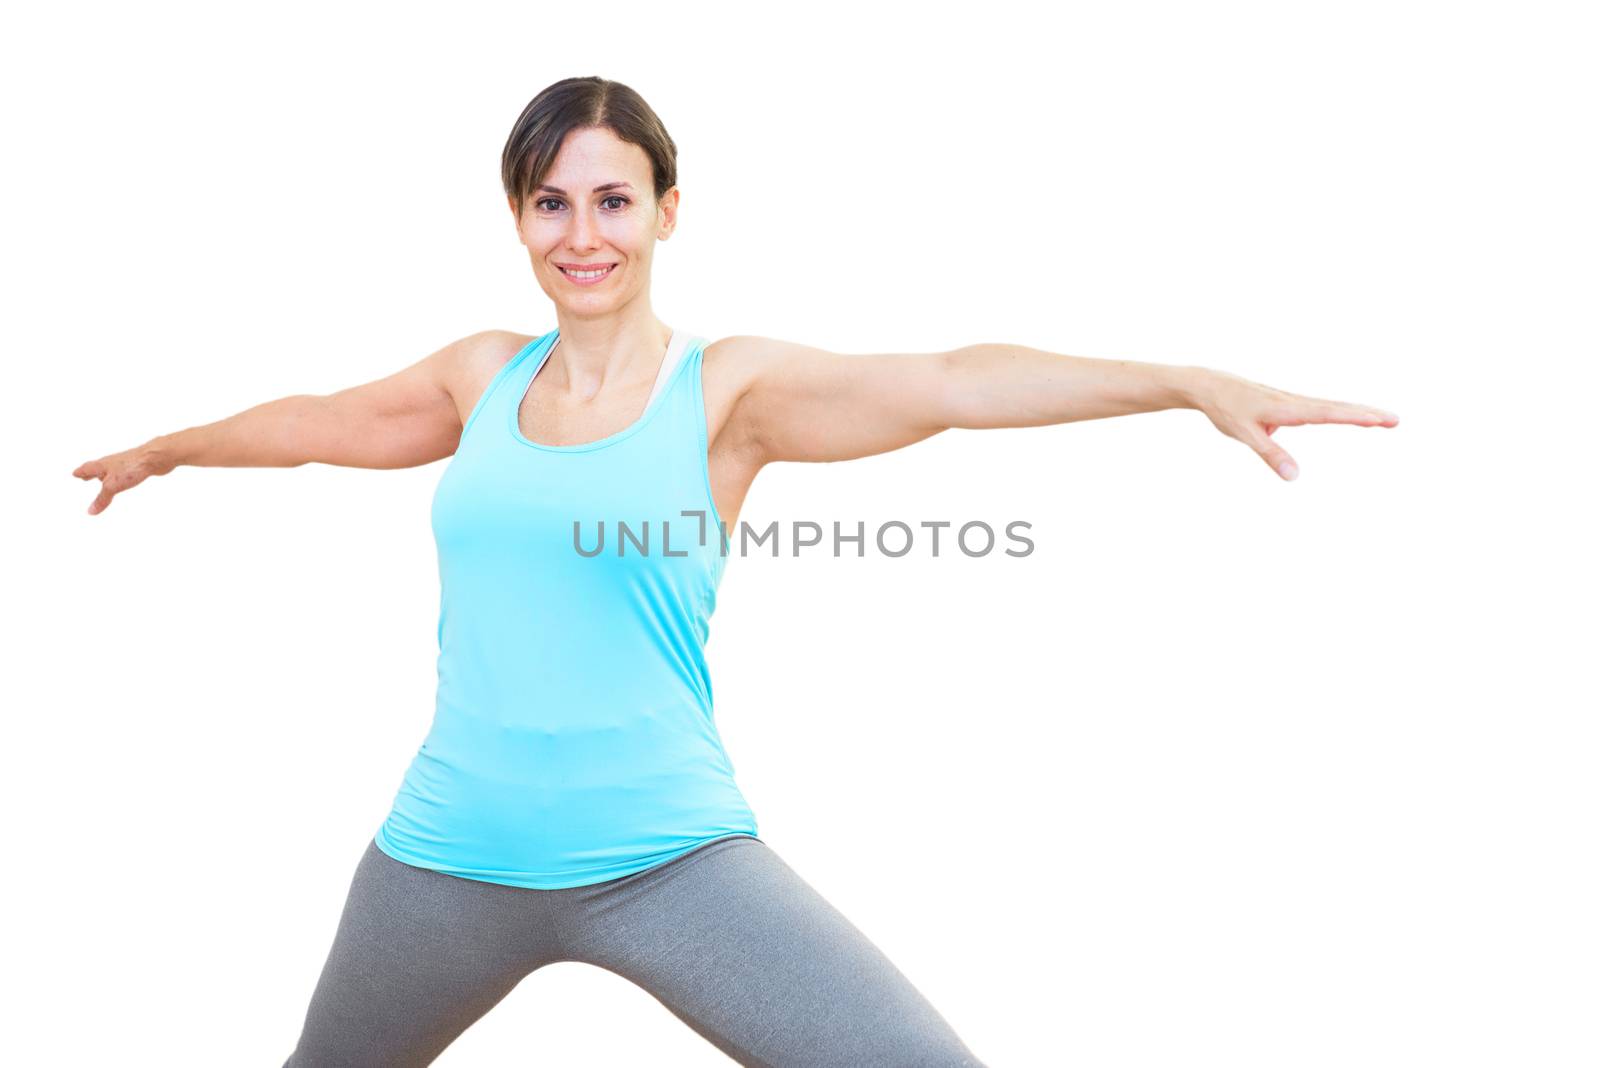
x,y
742,949
417,958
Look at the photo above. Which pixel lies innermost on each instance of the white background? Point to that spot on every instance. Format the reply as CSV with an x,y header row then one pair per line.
x,y
1230,771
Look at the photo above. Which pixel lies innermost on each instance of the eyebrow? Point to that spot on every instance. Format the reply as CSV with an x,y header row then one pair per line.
x,y
597,189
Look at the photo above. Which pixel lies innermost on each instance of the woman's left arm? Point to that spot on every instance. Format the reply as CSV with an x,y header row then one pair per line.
x,y
805,404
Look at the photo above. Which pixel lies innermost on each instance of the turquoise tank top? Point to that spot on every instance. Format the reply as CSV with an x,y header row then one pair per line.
x,y
572,739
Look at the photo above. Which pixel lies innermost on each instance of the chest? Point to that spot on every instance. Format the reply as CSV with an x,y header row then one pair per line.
x,y
548,418
544,417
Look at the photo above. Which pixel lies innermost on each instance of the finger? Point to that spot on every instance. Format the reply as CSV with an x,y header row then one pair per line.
x,y
1275,456
101,502
1305,410
90,469
1361,415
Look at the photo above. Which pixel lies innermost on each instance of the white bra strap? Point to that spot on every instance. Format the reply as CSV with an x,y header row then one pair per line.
x,y
675,350
676,347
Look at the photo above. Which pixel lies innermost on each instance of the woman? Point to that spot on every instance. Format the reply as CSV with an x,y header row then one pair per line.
x,y
573,800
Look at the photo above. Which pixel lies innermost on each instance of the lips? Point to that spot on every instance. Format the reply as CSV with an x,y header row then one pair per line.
x,y
592,280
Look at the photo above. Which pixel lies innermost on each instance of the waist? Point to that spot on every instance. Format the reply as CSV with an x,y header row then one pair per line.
x,y
539,742
551,808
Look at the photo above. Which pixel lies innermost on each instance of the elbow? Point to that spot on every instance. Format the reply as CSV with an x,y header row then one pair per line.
x,y
953,390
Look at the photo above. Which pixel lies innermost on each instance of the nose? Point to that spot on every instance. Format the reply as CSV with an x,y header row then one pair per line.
x,y
585,232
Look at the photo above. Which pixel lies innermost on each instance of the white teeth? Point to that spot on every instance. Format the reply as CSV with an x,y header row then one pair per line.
x,y
584,274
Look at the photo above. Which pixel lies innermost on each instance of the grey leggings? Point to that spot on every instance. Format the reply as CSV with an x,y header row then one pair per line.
x,y
726,936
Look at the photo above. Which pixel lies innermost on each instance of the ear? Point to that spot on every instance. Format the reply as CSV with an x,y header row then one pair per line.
x,y
667,214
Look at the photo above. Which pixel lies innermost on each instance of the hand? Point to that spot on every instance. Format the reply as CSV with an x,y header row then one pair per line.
x,y
123,470
1249,412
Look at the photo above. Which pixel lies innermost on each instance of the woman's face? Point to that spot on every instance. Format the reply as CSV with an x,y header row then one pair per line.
x,y
596,208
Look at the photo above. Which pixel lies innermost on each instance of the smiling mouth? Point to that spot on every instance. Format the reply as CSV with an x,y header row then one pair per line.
x,y
588,276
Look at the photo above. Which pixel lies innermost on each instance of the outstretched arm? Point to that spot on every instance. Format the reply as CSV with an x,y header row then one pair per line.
x,y
408,419
805,404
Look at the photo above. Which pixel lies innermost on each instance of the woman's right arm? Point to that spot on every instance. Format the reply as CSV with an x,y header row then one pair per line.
x,y
405,420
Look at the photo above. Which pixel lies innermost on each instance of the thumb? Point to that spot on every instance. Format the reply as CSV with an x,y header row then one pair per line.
x,y
1276,458
104,498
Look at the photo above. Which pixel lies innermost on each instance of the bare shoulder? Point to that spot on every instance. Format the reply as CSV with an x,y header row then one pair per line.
x,y
734,364
734,361
745,359
729,367
475,360
746,355
488,351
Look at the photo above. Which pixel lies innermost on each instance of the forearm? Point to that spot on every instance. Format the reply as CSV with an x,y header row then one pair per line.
x,y
995,385
279,433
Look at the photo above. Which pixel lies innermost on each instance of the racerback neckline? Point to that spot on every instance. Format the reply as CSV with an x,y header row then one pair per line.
x,y
672,362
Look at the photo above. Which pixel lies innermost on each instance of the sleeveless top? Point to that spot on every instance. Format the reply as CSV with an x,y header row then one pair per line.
x,y
573,740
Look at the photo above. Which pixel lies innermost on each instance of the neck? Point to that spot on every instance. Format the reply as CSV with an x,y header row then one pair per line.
x,y
595,355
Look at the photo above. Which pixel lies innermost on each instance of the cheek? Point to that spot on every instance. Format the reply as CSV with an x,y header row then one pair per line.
x,y
629,235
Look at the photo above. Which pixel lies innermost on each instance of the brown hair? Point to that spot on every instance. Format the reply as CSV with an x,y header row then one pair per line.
x,y
575,104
